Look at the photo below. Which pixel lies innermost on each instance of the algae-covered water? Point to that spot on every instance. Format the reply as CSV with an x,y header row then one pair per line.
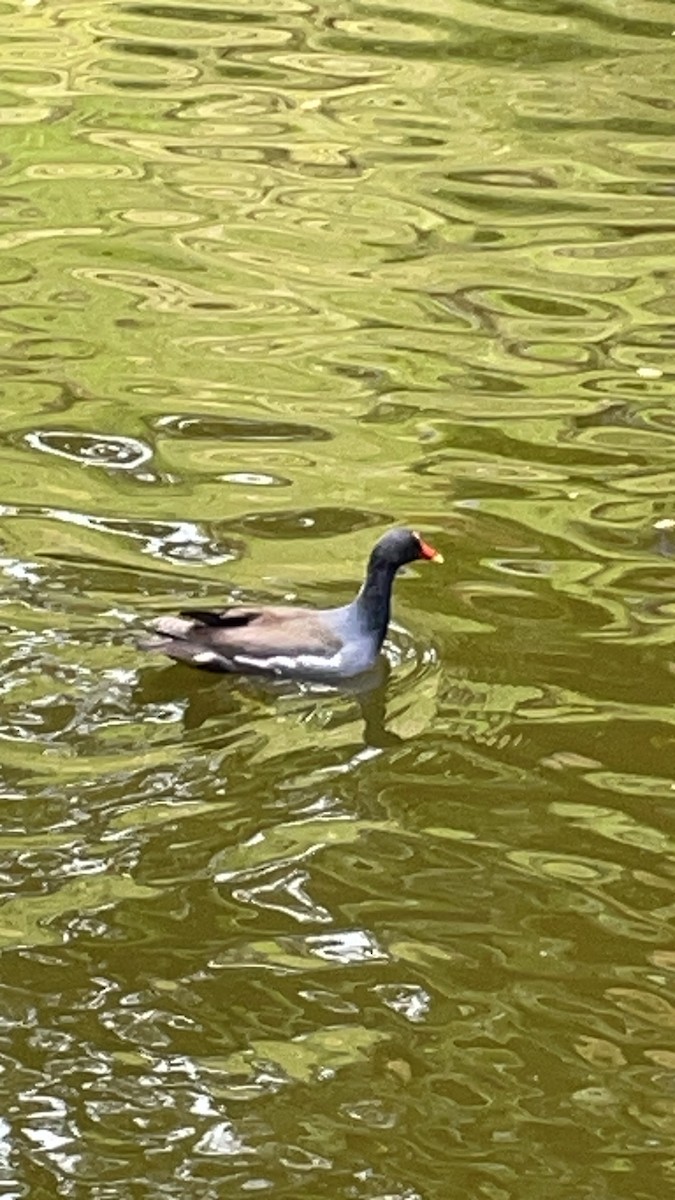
x,y
273,278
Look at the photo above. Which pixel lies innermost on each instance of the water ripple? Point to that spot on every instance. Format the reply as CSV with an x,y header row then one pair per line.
x,y
286,275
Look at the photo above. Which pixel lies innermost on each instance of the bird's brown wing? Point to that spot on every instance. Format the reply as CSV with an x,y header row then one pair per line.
x,y
247,636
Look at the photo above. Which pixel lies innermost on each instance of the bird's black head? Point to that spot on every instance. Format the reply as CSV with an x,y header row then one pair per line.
x,y
401,546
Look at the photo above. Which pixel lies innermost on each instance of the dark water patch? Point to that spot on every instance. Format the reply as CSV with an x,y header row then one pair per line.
x,y
315,522
152,50
242,429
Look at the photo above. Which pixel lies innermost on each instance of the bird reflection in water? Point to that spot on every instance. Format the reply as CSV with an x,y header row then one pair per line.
x,y
207,697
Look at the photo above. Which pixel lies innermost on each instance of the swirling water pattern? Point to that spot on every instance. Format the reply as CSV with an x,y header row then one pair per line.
x,y
273,277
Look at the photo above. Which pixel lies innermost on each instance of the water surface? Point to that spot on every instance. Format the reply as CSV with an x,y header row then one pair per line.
x,y
273,278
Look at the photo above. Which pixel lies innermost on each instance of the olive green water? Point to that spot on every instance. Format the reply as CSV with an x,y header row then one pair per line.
x,y
275,276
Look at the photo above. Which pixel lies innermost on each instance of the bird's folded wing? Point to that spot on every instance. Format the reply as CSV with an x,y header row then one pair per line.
x,y
254,633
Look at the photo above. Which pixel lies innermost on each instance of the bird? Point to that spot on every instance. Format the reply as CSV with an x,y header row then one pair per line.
x,y
295,642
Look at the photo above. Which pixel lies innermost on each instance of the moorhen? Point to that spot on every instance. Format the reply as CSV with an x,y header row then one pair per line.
x,y
304,643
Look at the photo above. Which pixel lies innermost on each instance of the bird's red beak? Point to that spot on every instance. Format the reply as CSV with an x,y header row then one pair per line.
x,y
427,551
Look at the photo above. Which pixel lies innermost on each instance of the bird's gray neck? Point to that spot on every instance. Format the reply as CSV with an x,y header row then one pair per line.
x,y
374,600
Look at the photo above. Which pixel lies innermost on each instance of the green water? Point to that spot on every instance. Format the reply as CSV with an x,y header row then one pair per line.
x,y
273,277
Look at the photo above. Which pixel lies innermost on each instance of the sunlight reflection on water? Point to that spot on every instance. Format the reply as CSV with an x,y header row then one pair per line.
x,y
275,277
